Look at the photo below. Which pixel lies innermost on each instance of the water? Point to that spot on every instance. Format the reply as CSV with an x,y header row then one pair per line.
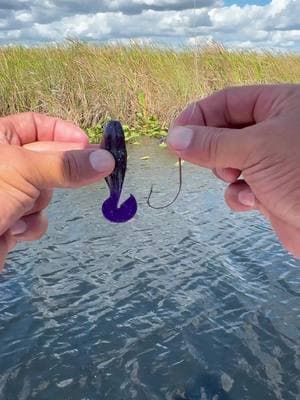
x,y
193,302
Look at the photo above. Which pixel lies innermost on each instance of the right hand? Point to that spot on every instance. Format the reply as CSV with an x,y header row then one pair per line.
x,y
253,132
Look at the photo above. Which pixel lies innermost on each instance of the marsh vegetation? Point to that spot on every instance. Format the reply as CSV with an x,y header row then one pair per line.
x,y
143,86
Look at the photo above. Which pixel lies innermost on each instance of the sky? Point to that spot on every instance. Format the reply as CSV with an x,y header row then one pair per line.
x,y
241,24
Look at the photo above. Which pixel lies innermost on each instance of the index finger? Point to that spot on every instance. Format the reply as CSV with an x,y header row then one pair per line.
x,y
30,127
234,107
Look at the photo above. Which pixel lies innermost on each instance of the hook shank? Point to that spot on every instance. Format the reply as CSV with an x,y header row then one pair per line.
x,y
175,198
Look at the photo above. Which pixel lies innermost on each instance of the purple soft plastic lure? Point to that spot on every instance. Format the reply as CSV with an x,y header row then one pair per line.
x,y
114,142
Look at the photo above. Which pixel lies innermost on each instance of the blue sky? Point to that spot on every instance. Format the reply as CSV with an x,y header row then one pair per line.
x,y
244,2
241,24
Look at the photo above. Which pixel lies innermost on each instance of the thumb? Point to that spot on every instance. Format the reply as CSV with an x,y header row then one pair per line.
x,y
212,147
69,169
23,173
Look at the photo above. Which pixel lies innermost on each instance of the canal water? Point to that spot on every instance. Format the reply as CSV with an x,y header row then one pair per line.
x,y
193,302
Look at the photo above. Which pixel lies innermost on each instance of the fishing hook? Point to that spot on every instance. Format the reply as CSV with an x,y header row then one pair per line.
x,y
175,198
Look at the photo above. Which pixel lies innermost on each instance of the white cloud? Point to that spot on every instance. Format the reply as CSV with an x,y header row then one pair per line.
x,y
24,16
275,25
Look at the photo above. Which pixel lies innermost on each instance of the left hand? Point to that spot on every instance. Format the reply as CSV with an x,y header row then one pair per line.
x,y
56,139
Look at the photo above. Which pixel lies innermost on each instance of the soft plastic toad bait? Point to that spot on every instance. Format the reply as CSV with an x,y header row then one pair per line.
x,y
114,142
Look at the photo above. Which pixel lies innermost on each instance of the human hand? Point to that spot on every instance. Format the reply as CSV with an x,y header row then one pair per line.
x,y
253,132
38,153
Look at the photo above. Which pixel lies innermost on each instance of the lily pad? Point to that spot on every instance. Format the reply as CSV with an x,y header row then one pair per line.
x,y
163,145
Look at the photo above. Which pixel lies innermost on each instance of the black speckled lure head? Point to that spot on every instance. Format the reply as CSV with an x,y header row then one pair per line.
x,y
114,142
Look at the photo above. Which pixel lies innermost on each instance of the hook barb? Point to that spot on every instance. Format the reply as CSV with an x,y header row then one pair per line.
x,y
175,198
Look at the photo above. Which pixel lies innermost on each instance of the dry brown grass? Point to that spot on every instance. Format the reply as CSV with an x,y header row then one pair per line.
x,y
87,84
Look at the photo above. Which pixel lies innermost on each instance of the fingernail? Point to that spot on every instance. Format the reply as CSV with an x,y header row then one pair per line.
x,y
102,161
18,228
180,137
247,198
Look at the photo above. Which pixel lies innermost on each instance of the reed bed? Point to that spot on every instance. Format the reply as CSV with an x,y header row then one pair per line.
x,y
136,84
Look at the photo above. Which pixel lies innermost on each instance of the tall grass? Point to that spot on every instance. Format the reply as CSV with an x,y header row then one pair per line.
x,y
88,84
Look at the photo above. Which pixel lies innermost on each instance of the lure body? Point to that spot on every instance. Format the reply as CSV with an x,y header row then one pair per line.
x,y
114,142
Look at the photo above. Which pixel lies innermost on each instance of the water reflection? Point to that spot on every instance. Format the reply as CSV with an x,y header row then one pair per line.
x,y
193,302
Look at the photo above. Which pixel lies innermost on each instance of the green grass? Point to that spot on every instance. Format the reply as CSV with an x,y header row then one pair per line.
x,y
144,87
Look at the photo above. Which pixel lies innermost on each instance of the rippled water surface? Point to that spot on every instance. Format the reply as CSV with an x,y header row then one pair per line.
x,y
193,302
